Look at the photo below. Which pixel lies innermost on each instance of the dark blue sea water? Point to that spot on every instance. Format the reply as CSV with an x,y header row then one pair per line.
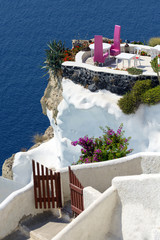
x,y
25,29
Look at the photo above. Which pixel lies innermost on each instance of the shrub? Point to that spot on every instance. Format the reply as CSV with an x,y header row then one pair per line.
x,y
154,41
110,146
130,102
23,150
152,96
141,86
134,71
39,138
155,64
68,56
137,42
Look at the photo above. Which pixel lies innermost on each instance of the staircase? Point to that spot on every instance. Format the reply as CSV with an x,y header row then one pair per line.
x,y
43,226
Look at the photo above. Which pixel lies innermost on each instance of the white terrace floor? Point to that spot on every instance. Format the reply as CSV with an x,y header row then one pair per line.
x,y
145,64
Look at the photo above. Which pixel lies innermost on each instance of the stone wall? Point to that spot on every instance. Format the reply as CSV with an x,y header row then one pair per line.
x,y
93,80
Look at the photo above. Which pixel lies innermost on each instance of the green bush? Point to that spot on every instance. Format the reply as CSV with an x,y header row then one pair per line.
x,y
141,86
154,41
130,102
156,66
152,96
134,71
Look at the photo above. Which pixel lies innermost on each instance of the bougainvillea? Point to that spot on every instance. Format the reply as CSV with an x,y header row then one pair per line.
x,y
109,146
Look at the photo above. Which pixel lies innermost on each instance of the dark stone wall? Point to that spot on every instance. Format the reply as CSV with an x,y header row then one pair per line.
x,y
115,83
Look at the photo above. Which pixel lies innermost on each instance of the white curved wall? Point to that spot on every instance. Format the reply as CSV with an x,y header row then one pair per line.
x,y
128,210
17,205
7,187
81,113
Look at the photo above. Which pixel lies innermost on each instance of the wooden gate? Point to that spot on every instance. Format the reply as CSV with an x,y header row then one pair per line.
x,y
76,193
47,187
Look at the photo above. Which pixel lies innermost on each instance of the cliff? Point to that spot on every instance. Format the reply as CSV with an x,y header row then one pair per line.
x,y
51,99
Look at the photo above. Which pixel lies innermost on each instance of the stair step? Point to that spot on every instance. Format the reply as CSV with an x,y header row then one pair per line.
x,y
43,226
17,235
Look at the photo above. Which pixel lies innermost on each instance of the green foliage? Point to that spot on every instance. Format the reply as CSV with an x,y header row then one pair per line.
x,y
140,87
152,96
138,42
134,71
154,41
130,102
143,53
156,66
110,146
54,59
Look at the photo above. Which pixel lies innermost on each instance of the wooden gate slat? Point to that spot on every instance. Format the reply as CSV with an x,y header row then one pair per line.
x,y
77,189
58,194
52,189
46,199
43,186
58,190
47,187
76,210
34,179
39,186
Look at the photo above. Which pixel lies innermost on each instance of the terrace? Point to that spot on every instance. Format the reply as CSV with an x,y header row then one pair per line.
x,y
145,61
108,76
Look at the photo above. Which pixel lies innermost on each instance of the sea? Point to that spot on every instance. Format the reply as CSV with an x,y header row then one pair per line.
x,y
27,26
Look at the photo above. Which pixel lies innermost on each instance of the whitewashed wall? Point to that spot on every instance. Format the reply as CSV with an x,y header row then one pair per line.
x,y
128,210
97,175
94,222
17,205
7,187
100,175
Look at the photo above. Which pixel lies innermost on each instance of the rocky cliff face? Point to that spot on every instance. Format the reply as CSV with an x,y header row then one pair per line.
x,y
52,97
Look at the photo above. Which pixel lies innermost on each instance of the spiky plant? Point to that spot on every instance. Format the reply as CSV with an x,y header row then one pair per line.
x,y
54,59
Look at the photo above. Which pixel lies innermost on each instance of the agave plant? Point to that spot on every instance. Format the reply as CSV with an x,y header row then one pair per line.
x,y
54,59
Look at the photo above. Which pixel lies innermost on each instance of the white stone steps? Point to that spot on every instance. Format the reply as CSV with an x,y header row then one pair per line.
x,y
43,226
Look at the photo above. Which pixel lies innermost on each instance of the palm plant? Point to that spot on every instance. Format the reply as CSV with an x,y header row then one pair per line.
x,y
54,59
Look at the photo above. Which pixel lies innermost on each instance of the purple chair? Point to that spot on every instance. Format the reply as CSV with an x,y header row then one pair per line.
x,y
115,48
98,50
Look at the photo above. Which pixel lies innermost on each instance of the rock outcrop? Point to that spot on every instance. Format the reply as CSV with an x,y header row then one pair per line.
x,y
7,168
52,97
